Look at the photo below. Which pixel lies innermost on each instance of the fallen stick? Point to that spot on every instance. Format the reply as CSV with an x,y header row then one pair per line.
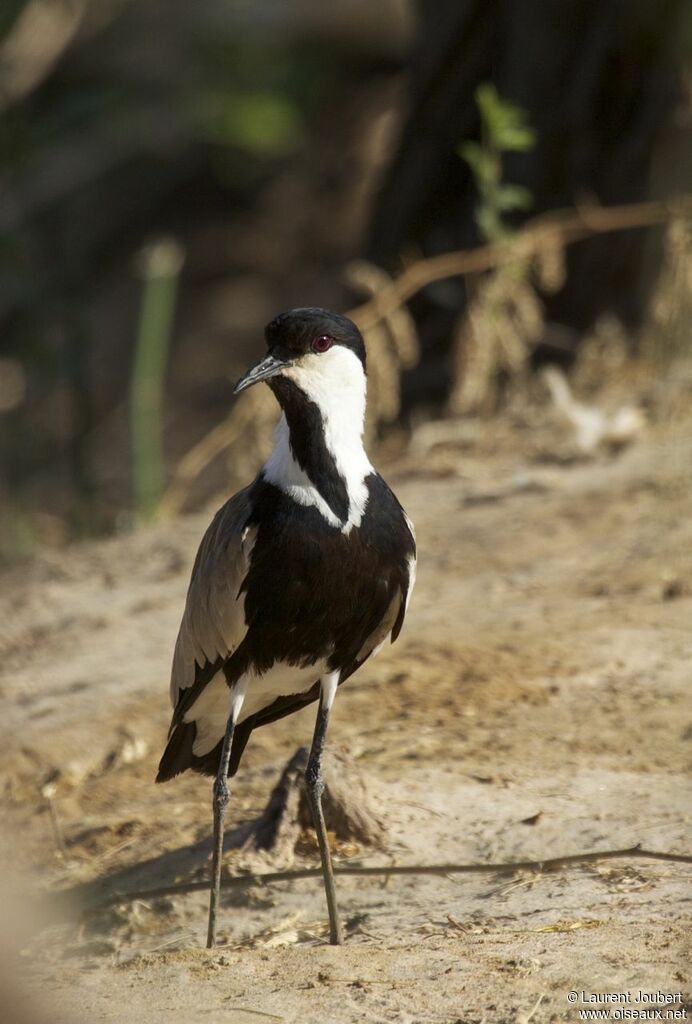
x,y
267,878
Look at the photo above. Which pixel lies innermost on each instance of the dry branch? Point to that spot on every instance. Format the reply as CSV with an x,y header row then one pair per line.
x,y
267,878
383,316
569,225
40,34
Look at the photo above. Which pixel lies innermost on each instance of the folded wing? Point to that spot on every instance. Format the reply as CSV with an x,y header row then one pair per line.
x,y
213,623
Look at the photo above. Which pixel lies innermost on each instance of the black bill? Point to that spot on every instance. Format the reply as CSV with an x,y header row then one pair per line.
x,y
269,367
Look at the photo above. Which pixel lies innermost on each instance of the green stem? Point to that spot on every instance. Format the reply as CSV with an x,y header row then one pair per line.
x,y
161,265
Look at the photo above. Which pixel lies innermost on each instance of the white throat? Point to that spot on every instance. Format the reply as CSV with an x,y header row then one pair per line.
x,y
335,383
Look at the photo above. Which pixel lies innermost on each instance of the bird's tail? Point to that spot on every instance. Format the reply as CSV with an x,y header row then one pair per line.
x,y
179,755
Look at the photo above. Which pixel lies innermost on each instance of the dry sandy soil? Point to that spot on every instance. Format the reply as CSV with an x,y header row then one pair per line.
x,y
537,704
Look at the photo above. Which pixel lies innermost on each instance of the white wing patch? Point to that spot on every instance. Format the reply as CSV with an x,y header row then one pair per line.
x,y
375,641
211,709
412,562
411,579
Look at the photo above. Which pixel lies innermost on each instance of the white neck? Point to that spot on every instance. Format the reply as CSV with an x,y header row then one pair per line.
x,y
335,383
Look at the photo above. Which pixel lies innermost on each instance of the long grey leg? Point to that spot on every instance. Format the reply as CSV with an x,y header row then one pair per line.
x,y
221,796
315,786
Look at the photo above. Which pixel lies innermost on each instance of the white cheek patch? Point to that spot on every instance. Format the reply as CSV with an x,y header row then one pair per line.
x,y
335,382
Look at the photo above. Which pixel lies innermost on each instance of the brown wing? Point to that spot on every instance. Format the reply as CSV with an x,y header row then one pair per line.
x,y
213,622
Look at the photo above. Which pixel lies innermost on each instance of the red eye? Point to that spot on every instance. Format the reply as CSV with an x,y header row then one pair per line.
x,y
322,344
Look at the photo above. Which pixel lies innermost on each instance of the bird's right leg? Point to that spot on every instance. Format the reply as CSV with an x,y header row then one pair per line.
x,y
221,796
314,786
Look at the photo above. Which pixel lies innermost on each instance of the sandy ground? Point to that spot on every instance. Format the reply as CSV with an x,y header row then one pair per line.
x,y
537,704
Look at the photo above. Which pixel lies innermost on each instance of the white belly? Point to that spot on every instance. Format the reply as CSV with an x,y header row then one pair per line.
x,y
211,709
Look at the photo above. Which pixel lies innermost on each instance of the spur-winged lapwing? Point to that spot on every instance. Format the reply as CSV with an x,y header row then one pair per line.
x,y
300,578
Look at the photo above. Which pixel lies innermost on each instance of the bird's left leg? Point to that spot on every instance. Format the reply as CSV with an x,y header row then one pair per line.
x,y
221,796
315,786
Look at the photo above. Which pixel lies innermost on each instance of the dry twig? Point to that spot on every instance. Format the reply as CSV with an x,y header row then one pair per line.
x,y
389,327
569,225
524,1018
246,881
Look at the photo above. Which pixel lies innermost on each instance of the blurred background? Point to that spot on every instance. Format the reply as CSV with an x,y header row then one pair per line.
x,y
172,175
500,194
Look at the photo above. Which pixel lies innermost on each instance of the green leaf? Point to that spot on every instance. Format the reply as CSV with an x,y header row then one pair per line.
x,y
481,163
505,127
487,102
515,137
513,197
489,224
505,123
472,153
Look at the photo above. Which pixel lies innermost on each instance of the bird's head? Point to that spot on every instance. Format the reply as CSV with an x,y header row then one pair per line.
x,y
317,352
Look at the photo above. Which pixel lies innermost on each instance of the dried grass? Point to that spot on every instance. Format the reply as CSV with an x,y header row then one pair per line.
x,y
668,333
